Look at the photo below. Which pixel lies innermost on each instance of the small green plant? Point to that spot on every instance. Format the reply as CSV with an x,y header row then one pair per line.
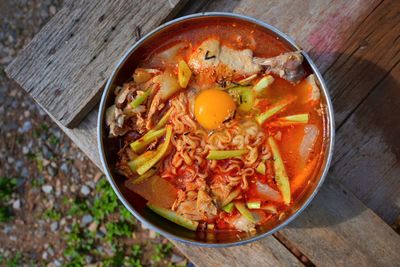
x,y
78,207
161,251
52,214
44,127
106,201
118,229
79,243
116,260
104,208
14,261
53,140
38,158
7,187
135,257
37,182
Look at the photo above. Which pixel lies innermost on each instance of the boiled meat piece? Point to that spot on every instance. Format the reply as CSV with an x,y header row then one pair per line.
x,y
287,66
224,60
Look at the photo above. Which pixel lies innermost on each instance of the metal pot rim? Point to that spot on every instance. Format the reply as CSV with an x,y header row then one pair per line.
x,y
330,126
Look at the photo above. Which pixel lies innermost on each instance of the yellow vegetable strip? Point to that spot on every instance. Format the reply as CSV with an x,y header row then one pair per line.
x,y
143,177
163,121
291,120
140,99
262,84
232,195
254,205
184,74
244,211
281,178
261,168
134,164
261,118
225,154
174,217
228,208
146,139
161,150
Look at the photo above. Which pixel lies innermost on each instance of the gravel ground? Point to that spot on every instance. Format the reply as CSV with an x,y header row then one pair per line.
x,y
51,195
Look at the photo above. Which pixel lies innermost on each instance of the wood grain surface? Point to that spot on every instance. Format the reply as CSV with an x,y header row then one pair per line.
x,y
337,228
368,149
366,77
69,60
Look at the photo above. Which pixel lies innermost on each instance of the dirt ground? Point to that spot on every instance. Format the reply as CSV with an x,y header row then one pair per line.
x,y
51,195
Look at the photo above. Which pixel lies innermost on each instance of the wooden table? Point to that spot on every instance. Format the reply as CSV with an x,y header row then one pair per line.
x,y
356,45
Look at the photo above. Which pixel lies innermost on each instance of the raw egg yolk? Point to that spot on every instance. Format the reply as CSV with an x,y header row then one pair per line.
x,y
212,107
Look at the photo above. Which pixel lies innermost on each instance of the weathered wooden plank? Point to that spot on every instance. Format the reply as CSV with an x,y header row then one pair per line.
x,y
319,27
73,55
368,55
368,149
338,230
266,252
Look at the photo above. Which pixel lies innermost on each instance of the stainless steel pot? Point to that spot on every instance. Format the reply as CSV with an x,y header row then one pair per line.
x,y
135,204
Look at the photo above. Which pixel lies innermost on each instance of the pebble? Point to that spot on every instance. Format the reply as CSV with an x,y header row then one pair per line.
x,y
100,248
14,104
93,226
27,113
13,238
47,188
25,150
26,127
54,226
52,10
19,164
72,188
50,250
25,172
47,153
44,255
86,219
152,234
10,160
16,204
7,229
41,232
58,188
65,149
103,229
46,162
62,221
67,228
91,184
64,167
175,258
88,259
51,171
85,190
100,234
57,263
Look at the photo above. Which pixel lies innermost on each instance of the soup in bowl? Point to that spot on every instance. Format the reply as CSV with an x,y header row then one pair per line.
x,y
215,129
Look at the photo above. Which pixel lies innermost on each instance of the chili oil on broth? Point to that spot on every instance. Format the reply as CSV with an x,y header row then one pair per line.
x,y
263,45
